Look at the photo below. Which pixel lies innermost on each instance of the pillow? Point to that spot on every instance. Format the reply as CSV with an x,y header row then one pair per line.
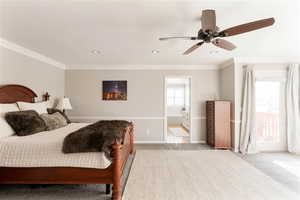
x,y
40,107
8,107
25,122
5,129
54,121
53,110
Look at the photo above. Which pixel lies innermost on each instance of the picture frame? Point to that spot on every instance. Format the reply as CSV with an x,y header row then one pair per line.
x,y
114,90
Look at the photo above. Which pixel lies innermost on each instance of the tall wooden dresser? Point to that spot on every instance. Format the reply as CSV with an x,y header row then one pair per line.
x,y
218,124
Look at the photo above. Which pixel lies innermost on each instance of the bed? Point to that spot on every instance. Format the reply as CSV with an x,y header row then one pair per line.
x,y
37,159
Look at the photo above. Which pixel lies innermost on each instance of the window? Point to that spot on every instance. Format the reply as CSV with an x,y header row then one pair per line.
x,y
175,96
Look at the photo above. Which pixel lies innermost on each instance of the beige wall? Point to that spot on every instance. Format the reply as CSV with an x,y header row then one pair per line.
x,y
227,83
16,68
227,92
145,104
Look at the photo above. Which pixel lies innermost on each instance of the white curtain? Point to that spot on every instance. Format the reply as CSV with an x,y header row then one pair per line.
x,y
247,133
292,109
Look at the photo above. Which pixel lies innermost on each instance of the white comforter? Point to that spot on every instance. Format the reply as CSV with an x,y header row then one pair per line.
x,y
45,150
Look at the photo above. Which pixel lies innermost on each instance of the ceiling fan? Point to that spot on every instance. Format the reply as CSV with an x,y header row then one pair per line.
x,y
209,33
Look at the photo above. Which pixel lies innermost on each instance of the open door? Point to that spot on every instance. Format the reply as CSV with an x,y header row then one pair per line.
x,y
177,109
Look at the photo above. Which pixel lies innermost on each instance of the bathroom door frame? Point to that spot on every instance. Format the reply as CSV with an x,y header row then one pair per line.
x,y
166,106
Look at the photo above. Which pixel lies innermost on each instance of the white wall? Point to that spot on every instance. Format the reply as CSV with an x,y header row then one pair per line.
x,y
16,68
145,104
173,120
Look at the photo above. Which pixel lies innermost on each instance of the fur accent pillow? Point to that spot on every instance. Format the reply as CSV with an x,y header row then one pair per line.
x,y
54,121
25,122
53,110
5,128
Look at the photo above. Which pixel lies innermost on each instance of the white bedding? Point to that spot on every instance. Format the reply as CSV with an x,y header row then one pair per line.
x,y
44,150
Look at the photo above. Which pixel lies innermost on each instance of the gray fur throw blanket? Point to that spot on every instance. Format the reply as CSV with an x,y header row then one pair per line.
x,y
97,137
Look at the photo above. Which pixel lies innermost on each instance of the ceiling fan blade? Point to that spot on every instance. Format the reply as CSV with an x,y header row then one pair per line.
x,y
192,48
185,38
247,27
224,44
208,20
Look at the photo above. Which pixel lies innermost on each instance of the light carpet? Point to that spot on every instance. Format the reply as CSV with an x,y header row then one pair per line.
x,y
199,175
178,132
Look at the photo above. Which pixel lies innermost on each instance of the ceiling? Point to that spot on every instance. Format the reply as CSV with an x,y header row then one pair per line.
x,y
126,33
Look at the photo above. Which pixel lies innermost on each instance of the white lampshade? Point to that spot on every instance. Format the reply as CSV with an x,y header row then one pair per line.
x,y
64,104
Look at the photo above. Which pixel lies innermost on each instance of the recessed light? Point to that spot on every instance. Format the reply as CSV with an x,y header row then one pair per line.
x,y
95,51
155,51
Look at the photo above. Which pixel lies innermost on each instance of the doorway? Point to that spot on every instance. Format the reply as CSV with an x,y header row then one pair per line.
x,y
270,117
177,109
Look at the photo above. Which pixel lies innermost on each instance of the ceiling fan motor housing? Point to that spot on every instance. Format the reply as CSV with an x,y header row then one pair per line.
x,y
206,36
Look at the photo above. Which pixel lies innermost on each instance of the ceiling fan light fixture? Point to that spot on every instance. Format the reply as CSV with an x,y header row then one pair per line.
x,y
213,52
95,51
155,51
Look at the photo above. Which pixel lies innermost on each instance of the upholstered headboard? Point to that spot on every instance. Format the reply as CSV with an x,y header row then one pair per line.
x,y
14,93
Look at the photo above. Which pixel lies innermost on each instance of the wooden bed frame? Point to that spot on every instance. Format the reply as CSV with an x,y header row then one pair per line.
x,y
66,175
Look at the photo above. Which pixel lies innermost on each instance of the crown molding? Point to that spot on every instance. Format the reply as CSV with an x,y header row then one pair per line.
x,y
142,67
227,63
33,54
259,60
267,60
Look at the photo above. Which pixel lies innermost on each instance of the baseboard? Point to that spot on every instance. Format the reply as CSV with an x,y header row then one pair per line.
x,y
163,142
150,142
113,118
198,142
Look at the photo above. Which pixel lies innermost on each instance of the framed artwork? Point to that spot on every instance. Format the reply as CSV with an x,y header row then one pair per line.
x,y
114,90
